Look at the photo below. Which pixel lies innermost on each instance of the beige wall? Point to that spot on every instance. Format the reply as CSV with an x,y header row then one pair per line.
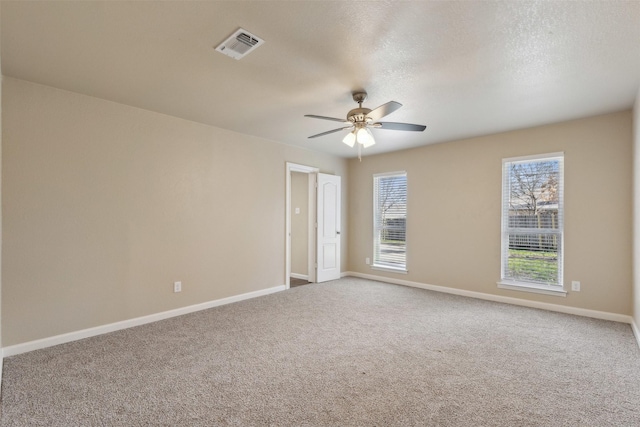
x,y
636,211
300,223
105,206
454,199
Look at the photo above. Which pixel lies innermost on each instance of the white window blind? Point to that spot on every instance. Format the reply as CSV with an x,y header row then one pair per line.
x,y
390,221
532,221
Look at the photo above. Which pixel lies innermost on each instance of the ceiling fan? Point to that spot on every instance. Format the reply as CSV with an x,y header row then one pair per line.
x,y
360,120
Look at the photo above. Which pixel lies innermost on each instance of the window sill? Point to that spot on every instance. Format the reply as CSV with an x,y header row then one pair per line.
x,y
531,287
390,269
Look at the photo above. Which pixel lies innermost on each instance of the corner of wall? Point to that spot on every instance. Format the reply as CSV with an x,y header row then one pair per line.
x,y
1,352
636,217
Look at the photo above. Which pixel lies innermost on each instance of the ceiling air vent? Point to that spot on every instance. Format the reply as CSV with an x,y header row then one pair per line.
x,y
239,44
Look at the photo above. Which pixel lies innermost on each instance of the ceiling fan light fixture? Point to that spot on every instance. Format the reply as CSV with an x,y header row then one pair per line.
x,y
365,137
350,139
360,119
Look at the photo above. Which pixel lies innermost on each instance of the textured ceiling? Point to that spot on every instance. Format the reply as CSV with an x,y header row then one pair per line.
x,y
461,68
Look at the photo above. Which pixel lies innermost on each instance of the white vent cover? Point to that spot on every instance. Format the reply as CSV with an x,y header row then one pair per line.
x,y
239,44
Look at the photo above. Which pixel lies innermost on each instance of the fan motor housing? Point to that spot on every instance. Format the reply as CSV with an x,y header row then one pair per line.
x,y
358,115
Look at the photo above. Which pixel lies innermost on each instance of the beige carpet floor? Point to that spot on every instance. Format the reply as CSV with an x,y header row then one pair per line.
x,y
346,353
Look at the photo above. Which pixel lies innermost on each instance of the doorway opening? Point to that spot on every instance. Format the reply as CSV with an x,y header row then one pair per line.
x,y
300,224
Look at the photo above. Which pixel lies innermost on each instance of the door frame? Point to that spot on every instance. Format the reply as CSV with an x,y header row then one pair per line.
x,y
312,174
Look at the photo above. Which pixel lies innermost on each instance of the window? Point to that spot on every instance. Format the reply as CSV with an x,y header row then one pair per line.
x,y
532,223
390,221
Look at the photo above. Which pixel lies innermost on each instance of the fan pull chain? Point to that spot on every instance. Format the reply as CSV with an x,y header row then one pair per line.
x,y
359,151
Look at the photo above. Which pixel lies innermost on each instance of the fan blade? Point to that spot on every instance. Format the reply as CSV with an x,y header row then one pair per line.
x,y
399,126
313,116
330,131
383,110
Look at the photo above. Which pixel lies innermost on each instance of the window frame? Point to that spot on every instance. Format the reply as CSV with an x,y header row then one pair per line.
x,y
375,264
523,285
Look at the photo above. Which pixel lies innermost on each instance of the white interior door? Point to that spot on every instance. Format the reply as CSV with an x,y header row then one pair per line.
x,y
328,235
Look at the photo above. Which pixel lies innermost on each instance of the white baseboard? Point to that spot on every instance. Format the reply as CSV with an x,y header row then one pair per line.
x,y
299,276
636,331
111,327
104,329
507,300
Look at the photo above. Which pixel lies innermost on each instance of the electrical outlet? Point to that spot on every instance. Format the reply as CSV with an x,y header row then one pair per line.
x,y
367,261
177,286
575,286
